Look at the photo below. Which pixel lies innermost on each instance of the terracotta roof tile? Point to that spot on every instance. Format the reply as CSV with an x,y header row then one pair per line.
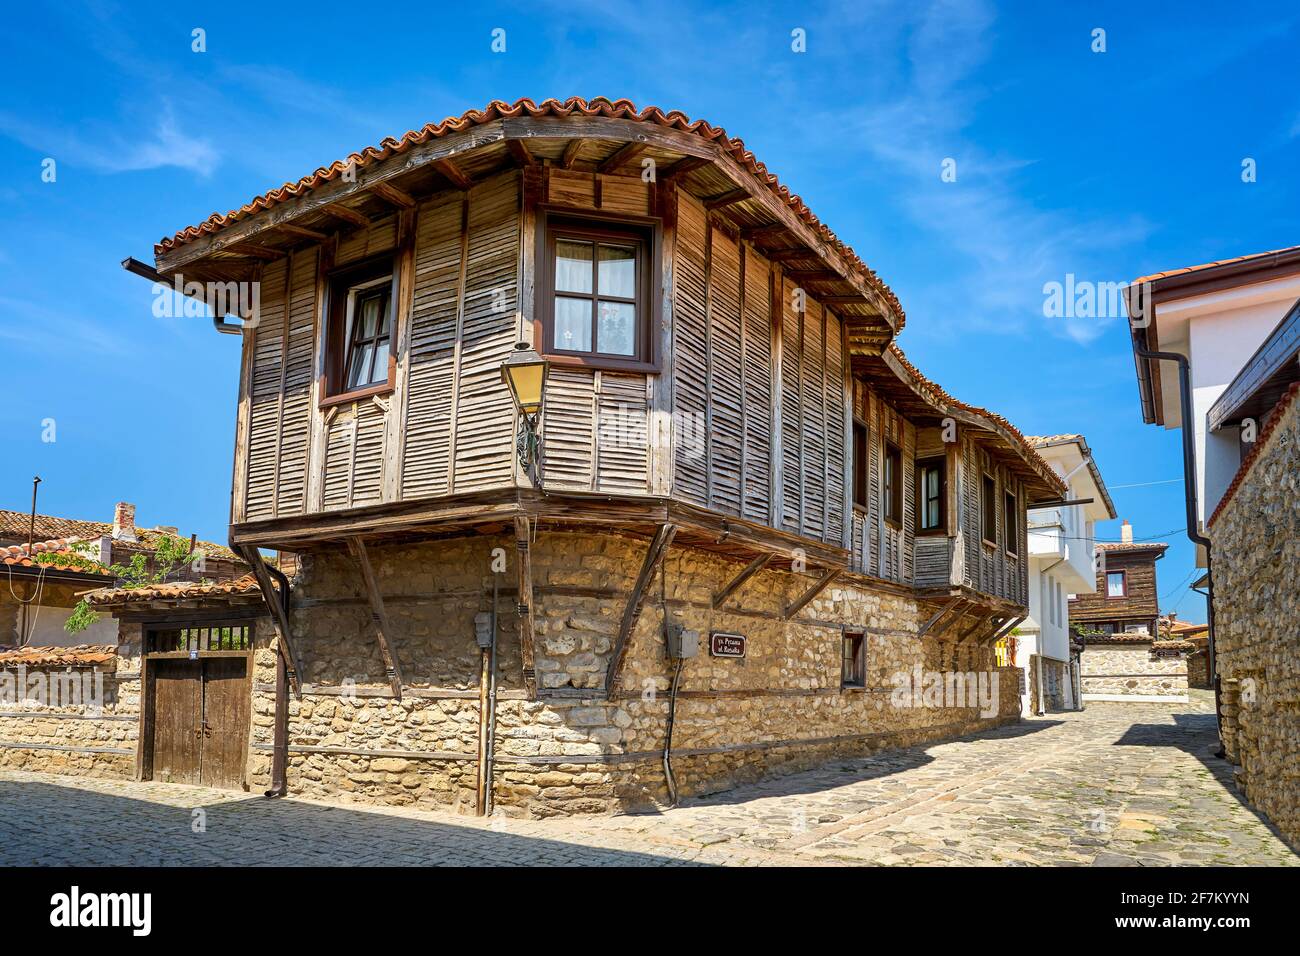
x,y
1155,276
107,597
19,555
14,525
1038,441
497,109
50,656
1260,441
1132,546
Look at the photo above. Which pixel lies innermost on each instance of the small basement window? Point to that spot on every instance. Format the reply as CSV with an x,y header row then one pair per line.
x,y
853,671
595,298
931,492
359,358
1116,584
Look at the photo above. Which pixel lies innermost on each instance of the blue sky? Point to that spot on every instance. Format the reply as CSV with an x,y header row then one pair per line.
x,y
1102,165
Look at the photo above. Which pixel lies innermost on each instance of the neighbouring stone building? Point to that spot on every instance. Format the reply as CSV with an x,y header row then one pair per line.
x,y
727,530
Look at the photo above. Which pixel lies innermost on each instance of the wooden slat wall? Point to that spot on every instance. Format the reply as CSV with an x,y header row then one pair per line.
x,y
438,260
724,396
299,362
792,357
689,352
756,341
265,393
622,459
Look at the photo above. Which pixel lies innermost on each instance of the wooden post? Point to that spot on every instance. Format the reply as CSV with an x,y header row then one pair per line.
x,y
654,557
280,739
829,575
736,583
527,624
379,614
279,616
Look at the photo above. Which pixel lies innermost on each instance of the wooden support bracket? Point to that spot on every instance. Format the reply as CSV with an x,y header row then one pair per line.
x,y
527,624
380,615
276,602
736,583
654,558
944,609
829,575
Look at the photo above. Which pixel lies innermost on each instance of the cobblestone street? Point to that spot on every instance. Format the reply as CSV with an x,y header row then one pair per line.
x,y
1120,784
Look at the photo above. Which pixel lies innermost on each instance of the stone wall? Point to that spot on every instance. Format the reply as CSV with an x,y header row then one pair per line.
x,y
52,726
1132,670
572,750
1256,552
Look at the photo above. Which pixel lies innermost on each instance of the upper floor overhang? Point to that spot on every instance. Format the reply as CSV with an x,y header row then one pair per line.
x,y
607,137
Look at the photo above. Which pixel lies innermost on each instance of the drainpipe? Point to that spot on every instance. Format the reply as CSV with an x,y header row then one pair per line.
x,y
1193,526
487,710
146,271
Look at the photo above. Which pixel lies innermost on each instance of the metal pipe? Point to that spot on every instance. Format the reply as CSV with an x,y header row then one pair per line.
x,y
1193,525
492,704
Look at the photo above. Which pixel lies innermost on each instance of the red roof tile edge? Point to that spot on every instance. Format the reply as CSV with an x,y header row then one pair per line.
x,y
107,597
1249,461
497,109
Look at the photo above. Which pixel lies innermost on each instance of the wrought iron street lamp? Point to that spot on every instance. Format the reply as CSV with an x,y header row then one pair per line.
x,y
524,371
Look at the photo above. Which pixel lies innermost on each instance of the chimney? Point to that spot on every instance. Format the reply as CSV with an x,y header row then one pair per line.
x,y
124,521
1126,532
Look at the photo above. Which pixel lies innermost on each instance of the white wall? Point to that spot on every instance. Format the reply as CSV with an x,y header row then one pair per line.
x,y
47,628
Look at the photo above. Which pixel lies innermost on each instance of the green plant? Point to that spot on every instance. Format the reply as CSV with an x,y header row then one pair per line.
x,y
170,554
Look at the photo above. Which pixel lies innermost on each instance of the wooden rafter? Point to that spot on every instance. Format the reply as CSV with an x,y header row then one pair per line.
x,y
302,232
814,275
394,196
257,251
727,199
379,614
527,624
958,608
346,213
799,603
759,233
787,255
452,173
934,618
736,583
654,558
571,150
625,154
275,601
520,151
683,166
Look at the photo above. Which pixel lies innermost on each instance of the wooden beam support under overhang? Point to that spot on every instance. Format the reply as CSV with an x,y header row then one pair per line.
x,y
276,603
524,605
571,150
627,153
453,174
727,199
802,601
379,615
652,562
934,618
683,166
814,275
736,583
521,153
302,232
346,214
256,251
393,196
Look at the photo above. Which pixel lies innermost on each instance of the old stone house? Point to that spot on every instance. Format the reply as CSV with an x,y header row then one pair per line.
x,y
708,522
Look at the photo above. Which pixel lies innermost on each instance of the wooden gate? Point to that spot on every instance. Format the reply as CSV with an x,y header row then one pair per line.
x,y
198,706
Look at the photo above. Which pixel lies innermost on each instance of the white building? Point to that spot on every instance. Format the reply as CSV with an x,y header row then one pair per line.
x,y
1062,561
1218,315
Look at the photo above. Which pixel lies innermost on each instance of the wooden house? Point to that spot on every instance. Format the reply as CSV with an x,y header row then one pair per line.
x,y
730,444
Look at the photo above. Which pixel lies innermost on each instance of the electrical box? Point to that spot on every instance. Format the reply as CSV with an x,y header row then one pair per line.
x,y
483,629
681,643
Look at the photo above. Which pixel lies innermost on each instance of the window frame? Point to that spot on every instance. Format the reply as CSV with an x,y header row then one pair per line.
x,y
643,232
1123,576
988,500
861,490
891,491
340,285
922,465
1011,523
859,657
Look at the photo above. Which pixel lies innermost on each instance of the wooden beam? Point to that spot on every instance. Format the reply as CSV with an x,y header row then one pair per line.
x,y
815,275
829,575
520,151
279,616
571,150
726,199
958,608
451,172
683,166
257,251
843,300
943,609
654,557
759,233
621,157
527,623
394,196
786,255
378,612
346,213
302,232
736,583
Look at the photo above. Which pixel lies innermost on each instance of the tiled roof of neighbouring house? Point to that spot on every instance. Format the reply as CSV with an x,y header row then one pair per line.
x,y
1045,441
1261,440
63,557
1155,276
14,526
574,106
181,590
82,655
1122,546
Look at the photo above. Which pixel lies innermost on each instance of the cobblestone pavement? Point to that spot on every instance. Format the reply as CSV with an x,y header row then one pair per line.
x,y
1119,784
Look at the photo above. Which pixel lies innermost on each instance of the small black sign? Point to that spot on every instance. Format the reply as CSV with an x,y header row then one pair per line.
x,y
726,645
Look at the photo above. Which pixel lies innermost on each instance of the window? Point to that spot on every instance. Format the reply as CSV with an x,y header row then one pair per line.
x,y
854,661
595,302
1116,584
1011,536
893,484
931,492
359,357
860,464
989,511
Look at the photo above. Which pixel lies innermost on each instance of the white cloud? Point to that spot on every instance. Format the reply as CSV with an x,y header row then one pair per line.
x,y
108,150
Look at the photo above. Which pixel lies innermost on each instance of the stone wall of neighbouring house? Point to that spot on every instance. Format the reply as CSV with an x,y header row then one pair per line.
x,y
780,708
65,732
1256,550
1132,670
1198,670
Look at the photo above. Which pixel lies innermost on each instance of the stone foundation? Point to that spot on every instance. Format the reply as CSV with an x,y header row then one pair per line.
x,y
1136,670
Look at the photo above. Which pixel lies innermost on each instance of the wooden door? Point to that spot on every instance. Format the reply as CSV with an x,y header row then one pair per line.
x,y
178,712
226,712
